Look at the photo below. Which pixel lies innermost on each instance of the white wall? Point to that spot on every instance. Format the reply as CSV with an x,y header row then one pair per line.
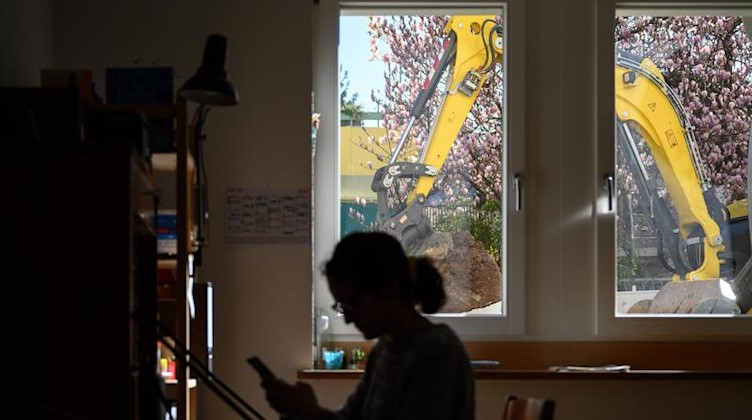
x,y
26,41
263,299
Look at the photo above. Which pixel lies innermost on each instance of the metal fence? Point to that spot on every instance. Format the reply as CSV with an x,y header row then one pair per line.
x,y
461,215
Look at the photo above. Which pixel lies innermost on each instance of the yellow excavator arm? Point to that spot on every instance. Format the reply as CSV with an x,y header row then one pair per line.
x,y
473,46
644,99
468,76
645,103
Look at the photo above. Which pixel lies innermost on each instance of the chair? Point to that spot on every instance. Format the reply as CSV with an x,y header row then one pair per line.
x,y
528,408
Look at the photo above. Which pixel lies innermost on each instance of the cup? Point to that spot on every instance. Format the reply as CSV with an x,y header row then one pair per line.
x,y
334,358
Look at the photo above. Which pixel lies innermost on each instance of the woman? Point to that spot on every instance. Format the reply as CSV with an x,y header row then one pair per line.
x,y
417,370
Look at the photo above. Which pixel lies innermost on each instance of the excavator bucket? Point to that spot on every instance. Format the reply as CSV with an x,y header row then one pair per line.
x,y
691,297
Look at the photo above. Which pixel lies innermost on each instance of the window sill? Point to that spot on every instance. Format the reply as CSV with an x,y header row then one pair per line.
x,y
502,374
531,360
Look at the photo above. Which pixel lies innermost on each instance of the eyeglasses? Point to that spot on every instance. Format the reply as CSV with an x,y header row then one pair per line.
x,y
342,307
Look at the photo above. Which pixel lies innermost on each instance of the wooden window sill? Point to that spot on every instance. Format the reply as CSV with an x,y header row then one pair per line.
x,y
504,374
673,360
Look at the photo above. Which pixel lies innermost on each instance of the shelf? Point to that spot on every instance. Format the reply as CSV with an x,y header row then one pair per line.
x,y
168,162
164,162
191,382
173,173
167,292
88,198
167,262
167,284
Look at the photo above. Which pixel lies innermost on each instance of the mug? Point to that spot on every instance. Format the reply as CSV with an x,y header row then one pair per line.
x,y
334,358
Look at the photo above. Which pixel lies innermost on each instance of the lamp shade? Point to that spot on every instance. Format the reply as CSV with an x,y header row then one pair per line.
x,y
210,84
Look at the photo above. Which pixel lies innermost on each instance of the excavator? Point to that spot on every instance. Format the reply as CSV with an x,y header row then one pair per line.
x,y
707,248
706,245
472,47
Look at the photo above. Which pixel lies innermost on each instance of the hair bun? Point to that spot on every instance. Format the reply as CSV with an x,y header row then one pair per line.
x,y
428,284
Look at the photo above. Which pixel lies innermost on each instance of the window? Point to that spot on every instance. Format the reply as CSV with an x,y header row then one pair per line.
x,y
683,90
392,61
559,124
386,57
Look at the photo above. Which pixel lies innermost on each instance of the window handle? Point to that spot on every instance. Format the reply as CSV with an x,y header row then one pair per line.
x,y
517,182
608,181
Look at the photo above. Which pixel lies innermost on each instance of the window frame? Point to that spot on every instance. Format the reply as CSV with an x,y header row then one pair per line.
x,y
578,302
608,324
326,163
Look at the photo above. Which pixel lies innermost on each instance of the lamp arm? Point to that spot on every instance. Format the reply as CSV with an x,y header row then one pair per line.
x,y
232,399
200,195
184,355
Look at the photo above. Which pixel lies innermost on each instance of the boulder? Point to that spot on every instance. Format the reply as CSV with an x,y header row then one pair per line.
x,y
472,279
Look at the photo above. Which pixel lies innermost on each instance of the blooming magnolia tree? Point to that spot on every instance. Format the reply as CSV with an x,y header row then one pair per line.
x,y
409,46
707,60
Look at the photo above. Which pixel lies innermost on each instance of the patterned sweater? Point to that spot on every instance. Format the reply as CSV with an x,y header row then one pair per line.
x,y
429,377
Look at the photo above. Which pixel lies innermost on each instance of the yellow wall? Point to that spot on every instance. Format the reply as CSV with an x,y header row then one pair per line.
x,y
357,164
354,159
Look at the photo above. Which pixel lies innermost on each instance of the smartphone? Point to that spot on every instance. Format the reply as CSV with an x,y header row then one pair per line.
x,y
260,367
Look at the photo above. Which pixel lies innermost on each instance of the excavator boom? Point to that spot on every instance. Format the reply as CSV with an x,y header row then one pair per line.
x,y
644,98
472,49
647,106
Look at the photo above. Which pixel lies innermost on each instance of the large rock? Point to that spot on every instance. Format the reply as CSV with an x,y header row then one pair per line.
x,y
686,297
471,278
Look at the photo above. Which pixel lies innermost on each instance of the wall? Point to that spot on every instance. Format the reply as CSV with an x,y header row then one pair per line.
x,y
263,299
26,41
600,400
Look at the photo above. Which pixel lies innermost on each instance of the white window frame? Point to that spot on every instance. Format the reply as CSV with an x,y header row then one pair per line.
x,y
607,323
326,163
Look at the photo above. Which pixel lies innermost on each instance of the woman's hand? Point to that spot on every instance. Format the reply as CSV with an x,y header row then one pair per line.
x,y
297,400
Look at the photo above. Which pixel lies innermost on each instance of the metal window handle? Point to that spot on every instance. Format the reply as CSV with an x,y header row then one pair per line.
x,y
608,180
517,182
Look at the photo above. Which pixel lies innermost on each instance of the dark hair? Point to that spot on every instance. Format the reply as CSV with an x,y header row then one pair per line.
x,y
375,261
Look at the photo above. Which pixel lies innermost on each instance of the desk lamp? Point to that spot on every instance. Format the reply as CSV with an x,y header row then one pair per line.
x,y
209,86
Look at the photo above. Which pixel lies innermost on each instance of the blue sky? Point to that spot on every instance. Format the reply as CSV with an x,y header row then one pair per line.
x,y
354,50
